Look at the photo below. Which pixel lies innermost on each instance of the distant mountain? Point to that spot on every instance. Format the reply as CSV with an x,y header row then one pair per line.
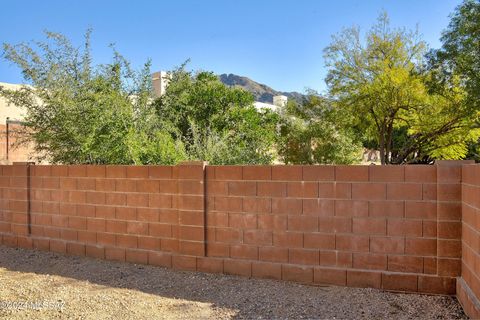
x,y
261,92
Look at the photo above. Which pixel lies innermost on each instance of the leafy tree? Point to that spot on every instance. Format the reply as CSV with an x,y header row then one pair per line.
x,y
80,113
379,80
460,55
215,122
315,132
458,60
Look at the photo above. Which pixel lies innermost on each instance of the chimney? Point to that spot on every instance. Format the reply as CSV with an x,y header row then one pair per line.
x,y
280,101
159,82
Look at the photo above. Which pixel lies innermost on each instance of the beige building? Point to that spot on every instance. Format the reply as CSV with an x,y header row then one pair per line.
x,y
11,117
279,102
160,81
8,110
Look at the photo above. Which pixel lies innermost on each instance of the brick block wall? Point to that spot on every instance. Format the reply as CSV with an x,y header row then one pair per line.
x,y
468,286
391,227
367,226
139,214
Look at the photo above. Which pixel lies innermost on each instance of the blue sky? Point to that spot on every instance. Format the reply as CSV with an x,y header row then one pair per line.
x,y
278,43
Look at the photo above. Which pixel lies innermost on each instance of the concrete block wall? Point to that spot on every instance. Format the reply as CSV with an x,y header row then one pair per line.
x,y
140,214
392,227
468,285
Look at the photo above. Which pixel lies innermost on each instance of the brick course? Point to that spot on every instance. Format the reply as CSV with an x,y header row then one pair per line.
x,y
468,285
401,228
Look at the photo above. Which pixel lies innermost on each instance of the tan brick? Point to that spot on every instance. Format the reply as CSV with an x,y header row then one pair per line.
x,y
399,282
364,279
266,270
335,277
297,273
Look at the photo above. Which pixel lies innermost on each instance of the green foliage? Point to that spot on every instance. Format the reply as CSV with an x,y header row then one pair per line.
x,y
380,82
460,55
216,123
315,132
457,63
80,113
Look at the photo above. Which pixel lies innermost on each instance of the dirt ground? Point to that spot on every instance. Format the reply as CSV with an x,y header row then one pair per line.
x,y
42,285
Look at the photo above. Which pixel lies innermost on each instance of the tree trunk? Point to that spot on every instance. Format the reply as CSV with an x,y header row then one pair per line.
x,y
382,146
388,143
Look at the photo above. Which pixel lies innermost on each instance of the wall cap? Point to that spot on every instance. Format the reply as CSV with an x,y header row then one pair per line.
x,y
453,162
193,163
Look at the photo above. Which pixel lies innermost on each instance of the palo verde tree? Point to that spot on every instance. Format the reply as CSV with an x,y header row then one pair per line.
x,y
77,112
380,81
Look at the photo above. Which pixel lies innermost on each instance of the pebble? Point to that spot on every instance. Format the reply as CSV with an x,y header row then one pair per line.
x,y
98,289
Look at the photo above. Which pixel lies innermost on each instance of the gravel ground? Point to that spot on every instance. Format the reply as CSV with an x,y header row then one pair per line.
x,y
43,285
